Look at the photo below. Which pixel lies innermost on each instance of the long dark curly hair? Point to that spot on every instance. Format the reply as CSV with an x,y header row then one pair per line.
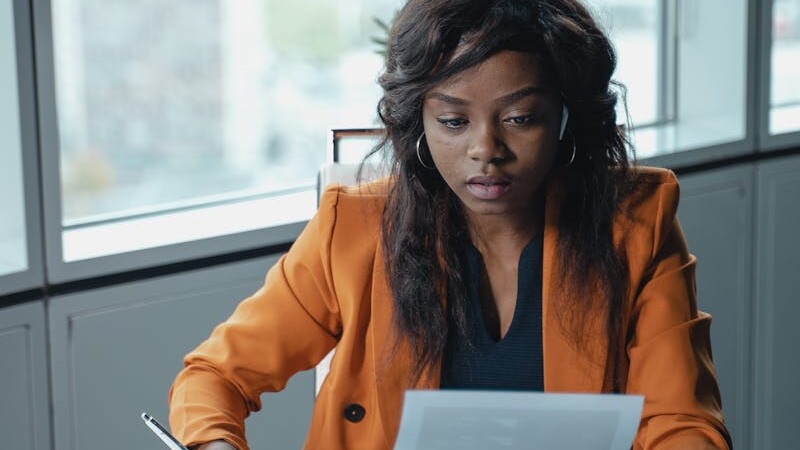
x,y
423,222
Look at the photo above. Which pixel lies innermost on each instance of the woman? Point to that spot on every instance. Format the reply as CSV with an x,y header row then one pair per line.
x,y
511,248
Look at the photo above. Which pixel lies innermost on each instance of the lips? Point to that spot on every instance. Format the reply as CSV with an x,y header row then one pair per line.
x,y
488,187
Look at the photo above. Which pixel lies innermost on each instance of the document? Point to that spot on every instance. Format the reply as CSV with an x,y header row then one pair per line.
x,y
489,420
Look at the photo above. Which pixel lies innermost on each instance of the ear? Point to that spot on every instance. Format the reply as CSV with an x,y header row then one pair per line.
x,y
564,119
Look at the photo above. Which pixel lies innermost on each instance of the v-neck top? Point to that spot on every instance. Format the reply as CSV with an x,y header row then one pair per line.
x,y
515,361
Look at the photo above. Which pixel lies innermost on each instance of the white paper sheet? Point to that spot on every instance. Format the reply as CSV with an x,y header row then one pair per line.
x,y
489,420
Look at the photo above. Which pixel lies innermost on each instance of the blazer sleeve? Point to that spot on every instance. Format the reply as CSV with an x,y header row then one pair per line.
x,y
287,326
670,350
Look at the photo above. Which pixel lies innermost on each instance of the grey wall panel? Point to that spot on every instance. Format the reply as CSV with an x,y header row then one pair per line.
x,y
716,215
116,350
777,368
24,418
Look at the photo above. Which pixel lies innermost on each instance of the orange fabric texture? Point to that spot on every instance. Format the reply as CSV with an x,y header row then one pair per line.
x,y
330,290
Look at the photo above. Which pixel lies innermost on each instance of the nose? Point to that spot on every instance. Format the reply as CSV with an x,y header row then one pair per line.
x,y
486,145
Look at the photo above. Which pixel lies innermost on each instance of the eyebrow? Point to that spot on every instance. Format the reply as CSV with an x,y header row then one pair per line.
x,y
507,99
520,94
447,98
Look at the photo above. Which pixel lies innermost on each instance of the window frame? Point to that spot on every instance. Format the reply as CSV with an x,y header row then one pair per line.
x,y
667,57
33,275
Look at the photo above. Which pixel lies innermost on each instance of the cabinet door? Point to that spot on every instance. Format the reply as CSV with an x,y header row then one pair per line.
x,y
777,364
24,418
116,351
716,214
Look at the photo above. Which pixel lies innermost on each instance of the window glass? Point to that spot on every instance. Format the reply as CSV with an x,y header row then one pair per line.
x,y
167,104
13,255
685,64
785,86
633,26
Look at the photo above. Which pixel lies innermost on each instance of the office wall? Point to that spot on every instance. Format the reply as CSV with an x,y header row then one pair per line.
x,y
115,351
742,223
776,362
716,213
24,393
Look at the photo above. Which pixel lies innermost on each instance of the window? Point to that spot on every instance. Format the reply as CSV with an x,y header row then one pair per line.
x,y
164,103
785,77
685,66
13,251
634,27
167,107
168,123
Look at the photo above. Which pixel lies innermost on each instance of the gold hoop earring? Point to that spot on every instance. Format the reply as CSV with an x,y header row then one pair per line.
x,y
574,151
419,157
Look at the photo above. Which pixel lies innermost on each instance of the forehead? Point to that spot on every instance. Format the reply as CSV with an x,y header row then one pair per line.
x,y
502,72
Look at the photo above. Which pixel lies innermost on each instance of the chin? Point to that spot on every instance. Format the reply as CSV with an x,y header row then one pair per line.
x,y
490,210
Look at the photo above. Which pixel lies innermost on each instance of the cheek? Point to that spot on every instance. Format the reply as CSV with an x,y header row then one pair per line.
x,y
537,151
448,166
545,162
448,163
550,153
444,150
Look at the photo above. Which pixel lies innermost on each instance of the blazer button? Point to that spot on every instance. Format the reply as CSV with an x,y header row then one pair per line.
x,y
354,412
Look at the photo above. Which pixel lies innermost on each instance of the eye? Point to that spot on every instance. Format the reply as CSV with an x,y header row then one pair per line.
x,y
453,124
521,120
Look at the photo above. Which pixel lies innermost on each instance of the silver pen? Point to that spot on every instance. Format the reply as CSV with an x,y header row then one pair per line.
x,y
162,432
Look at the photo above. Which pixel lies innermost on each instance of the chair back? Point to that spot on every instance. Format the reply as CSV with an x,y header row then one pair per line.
x,y
345,174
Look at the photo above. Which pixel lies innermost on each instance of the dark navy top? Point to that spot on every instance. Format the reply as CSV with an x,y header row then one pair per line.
x,y
515,361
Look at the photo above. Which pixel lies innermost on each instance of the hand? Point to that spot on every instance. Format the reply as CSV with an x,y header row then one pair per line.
x,y
215,445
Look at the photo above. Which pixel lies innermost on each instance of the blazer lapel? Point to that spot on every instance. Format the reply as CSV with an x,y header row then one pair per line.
x,y
392,365
565,368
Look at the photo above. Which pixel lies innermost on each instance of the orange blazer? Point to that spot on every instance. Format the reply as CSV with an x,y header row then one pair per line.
x,y
330,290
